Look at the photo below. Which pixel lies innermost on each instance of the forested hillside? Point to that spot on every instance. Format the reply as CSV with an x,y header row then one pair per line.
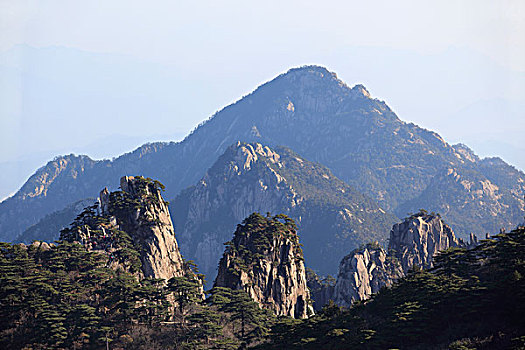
x,y
470,299
64,297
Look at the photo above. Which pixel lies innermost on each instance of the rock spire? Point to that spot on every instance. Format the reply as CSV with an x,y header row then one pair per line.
x,y
265,259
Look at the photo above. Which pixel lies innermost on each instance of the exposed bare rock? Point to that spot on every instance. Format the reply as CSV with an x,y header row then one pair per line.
x,y
131,222
333,217
473,241
364,272
42,245
151,227
418,238
265,260
484,196
413,242
311,111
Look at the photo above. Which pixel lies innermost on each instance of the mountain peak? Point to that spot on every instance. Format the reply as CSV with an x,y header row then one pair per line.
x,y
360,89
265,259
140,213
465,152
309,69
311,75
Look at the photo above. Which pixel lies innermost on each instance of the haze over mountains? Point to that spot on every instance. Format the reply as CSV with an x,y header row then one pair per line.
x,y
103,92
309,110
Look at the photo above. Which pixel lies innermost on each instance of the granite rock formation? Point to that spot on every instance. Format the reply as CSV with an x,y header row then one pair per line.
x,y
364,272
416,240
333,217
133,227
265,260
413,242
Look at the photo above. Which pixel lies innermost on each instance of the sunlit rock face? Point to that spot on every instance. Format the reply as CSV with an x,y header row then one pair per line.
x,y
332,217
364,272
416,240
413,243
129,224
265,260
311,111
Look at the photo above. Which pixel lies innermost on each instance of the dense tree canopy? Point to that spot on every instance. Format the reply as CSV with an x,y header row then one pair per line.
x,y
471,299
63,296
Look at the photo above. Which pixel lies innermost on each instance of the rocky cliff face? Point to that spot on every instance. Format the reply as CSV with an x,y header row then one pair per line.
x,y
265,260
45,192
133,227
484,195
332,217
364,272
416,240
413,242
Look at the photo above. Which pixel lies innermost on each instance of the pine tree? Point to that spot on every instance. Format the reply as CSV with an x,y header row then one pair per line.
x,y
186,292
206,325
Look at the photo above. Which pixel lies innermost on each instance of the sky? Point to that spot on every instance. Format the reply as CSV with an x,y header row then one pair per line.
x,y
103,77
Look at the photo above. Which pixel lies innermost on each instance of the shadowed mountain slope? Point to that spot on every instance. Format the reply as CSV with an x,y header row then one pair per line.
x,y
307,109
332,217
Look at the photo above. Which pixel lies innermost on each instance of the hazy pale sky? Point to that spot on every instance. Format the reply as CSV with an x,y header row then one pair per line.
x,y
188,32
83,76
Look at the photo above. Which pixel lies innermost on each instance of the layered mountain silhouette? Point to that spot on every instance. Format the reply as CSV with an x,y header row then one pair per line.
x,y
309,110
48,228
332,217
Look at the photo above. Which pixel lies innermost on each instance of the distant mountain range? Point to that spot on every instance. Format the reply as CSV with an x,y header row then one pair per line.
x,y
48,228
310,111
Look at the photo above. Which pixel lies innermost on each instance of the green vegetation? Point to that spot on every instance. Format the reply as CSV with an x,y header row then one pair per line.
x,y
469,198
321,288
332,217
99,234
65,297
87,291
253,323
121,202
263,231
471,299
96,231
326,194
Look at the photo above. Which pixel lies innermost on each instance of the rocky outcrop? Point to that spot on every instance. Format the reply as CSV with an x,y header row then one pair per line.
x,y
413,242
364,272
265,260
417,239
131,224
484,195
251,177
